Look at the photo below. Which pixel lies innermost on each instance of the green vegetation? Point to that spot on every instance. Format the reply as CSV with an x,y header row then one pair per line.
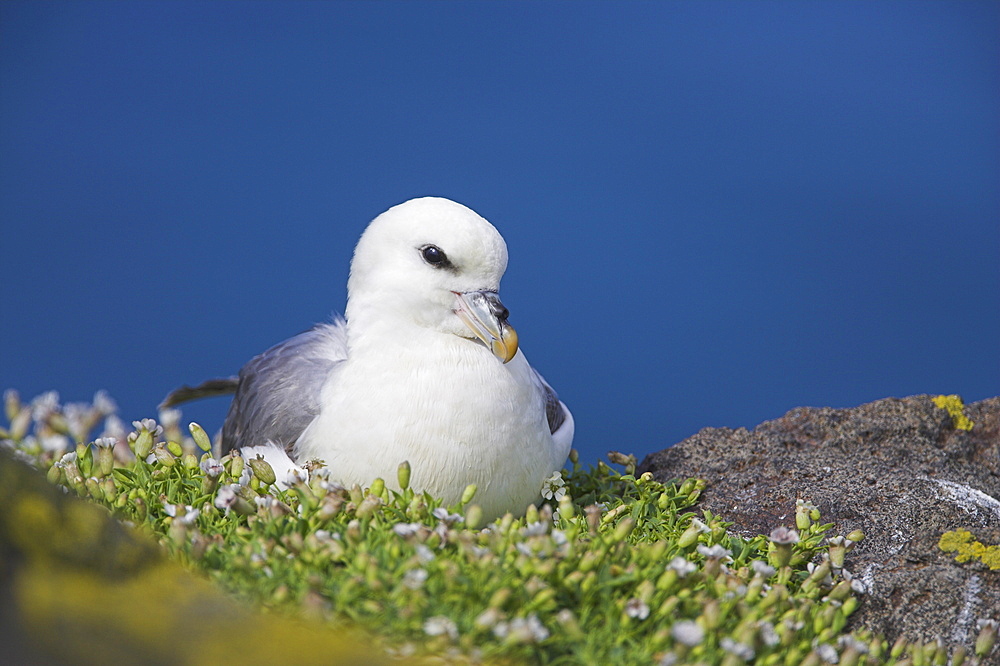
x,y
613,568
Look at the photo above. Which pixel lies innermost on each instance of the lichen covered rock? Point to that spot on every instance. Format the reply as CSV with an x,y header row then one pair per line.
x,y
905,471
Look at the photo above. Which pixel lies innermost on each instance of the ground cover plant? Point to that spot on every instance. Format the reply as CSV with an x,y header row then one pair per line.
x,y
612,568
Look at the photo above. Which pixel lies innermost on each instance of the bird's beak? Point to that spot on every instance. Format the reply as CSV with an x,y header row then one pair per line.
x,y
486,316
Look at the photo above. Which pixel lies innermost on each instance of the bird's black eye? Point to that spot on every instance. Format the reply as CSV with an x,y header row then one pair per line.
x,y
435,256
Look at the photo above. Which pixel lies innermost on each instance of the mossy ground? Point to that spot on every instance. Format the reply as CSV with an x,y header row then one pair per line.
x,y
612,569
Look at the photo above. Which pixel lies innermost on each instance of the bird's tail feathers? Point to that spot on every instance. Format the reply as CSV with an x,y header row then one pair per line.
x,y
207,389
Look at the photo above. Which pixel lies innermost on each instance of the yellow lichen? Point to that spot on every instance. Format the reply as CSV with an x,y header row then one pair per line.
x,y
955,407
961,541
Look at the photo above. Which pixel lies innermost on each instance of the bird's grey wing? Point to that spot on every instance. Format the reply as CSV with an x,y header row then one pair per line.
x,y
555,410
278,394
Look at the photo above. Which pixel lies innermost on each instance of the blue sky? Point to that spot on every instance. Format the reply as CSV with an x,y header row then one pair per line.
x,y
715,212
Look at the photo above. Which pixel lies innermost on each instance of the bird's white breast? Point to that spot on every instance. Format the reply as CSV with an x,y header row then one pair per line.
x,y
446,405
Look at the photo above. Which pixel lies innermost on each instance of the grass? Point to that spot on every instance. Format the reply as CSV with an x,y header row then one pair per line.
x,y
613,568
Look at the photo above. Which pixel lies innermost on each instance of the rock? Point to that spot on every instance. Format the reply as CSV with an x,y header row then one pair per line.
x,y
899,470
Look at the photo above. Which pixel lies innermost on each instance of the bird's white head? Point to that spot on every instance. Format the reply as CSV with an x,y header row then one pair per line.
x,y
433,263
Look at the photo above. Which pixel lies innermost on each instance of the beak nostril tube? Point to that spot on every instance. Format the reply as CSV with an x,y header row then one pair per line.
x,y
486,317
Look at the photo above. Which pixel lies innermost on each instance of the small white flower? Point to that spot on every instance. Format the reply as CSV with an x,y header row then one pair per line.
x,y
442,514
440,625
762,568
190,516
424,554
716,552
668,659
295,476
700,526
522,630
170,417
488,618
44,405
637,608
682,566
211,467
54,442
565,616
150,425
104,404
687,632
406,529
114,427
77,414
67,458
554,487
784,536
768,635
414,578
828,653
535,529
105,442
559,538
850,642
739,650
226,497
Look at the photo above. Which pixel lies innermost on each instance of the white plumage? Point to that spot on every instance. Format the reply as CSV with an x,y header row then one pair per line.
x,y
425,369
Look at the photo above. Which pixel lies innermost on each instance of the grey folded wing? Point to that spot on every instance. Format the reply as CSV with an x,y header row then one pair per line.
x,y
278,392
555,410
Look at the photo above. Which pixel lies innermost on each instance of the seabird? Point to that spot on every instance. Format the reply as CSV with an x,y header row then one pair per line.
x,y
424,368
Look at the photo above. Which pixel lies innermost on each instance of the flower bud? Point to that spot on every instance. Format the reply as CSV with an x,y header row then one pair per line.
x,y
55,474
593,512
987,637
11,404
94,489
841,591
236,464
377,488
201,437
850,605
142,445
262,470
711,614
689,537
623,529
105,460
368,506
473,516
566,508
574,456
175,448
190,461
856,535
163,456
403,475
802,519
469,493
109,488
